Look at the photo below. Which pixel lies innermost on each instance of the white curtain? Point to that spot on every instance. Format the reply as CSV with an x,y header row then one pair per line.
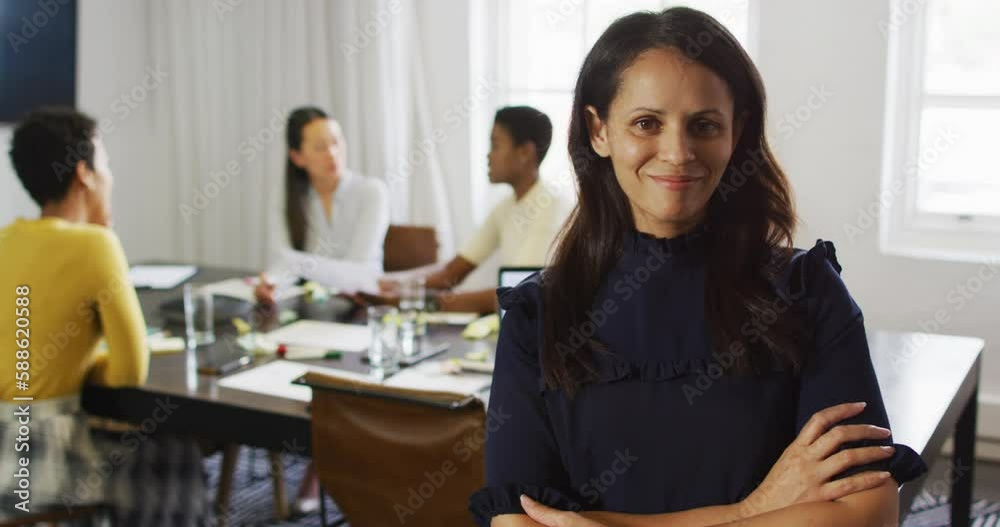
x,y
234,75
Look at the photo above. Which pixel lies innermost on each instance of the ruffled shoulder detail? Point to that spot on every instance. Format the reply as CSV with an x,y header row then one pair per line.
x,y
528,292
807,268
494,501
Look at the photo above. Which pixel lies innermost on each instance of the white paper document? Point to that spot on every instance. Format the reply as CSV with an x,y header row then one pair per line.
x,y
239,288
275,379
451,318
430,376
336,275
332,336
160,276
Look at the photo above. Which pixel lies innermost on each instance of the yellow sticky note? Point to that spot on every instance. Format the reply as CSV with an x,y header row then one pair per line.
x,y
242,327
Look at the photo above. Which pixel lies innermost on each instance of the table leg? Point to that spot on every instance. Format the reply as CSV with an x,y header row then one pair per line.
x,y
230,455
964,462
278,484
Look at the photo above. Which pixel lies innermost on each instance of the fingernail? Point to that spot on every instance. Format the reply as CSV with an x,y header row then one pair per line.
x,y
889,449
860,405
884,431
883,475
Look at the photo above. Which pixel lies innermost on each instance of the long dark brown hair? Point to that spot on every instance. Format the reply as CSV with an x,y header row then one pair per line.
x,y
750,216
296,179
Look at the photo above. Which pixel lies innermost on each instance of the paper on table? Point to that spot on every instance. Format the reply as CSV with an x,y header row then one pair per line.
x,y
160,276
239,288
159,343
275,379
451,318
326,335
431,376
339,275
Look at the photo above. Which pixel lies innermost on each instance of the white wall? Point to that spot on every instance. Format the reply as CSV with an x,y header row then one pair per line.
x,y
834,162
111,61
14,201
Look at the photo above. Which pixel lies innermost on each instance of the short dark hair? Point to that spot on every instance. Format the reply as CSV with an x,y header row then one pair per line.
x,y
46,147
527,124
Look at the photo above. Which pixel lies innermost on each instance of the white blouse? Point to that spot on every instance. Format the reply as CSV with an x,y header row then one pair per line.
x,y
345,251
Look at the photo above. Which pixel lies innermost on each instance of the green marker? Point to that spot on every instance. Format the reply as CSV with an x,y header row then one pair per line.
x,y
333,355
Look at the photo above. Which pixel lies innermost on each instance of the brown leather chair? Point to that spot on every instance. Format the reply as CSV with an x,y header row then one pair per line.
x,y
389,456
408,247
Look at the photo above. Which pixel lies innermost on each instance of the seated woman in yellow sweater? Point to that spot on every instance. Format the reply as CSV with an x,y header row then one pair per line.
x,y
67,275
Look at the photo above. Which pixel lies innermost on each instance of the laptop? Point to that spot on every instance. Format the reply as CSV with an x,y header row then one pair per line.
x,y
511,276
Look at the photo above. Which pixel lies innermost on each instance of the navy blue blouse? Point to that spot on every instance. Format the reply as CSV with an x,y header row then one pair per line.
x,y
663,429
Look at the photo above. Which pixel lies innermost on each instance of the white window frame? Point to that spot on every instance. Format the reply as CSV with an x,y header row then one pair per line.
x,y
497,54
498,11
903,229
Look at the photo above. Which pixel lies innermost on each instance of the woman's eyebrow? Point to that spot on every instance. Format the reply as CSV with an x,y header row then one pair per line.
x,y
659,111
707,111
646,109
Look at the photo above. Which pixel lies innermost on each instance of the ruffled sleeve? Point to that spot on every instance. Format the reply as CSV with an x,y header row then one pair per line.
x,y
521,455
840,370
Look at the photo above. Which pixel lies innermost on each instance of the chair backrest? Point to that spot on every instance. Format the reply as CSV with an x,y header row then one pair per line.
x,y
391,456
409,246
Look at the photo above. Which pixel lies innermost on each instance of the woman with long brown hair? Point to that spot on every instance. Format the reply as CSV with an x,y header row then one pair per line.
x,y
679,363
333,224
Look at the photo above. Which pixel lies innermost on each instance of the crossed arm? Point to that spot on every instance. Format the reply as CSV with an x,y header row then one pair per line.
x,y
875,507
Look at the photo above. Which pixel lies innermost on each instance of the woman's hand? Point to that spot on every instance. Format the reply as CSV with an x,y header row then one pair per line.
x,y
802,473
554,517
388,286
264,291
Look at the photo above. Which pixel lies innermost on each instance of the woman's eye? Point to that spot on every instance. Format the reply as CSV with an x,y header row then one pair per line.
x,y
648,125
706,127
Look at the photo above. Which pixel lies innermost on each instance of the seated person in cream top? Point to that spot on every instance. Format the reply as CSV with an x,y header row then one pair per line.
x,y
522,227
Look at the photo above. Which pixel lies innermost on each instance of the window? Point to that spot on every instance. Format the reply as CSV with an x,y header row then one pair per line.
x,y
941,190
538,59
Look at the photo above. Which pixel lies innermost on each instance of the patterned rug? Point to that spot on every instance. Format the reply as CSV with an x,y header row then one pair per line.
x,y
934,511
251,503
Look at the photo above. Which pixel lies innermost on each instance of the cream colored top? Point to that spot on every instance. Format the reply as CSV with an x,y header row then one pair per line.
x,y
522,230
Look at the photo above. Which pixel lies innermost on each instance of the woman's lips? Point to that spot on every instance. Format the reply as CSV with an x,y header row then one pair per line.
x,y
675,182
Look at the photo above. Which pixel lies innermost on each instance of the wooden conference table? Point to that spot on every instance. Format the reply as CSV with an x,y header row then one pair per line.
x,y
930,384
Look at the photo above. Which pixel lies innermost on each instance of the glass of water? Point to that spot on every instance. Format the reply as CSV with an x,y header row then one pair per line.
x,y
413,303
384,350
199,316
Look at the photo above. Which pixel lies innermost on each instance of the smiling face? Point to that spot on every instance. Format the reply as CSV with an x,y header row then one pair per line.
x,y
669,132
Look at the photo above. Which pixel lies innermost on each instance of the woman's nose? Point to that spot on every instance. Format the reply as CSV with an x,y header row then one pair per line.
x,y
674,146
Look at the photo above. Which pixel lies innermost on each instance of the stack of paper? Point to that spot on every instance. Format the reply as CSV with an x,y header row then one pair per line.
x,y
431,376
275,379
450,318
332,336
160,276
242,289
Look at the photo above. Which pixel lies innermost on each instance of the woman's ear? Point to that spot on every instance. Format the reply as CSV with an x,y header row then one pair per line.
x,y
85,176
598,132
296,158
